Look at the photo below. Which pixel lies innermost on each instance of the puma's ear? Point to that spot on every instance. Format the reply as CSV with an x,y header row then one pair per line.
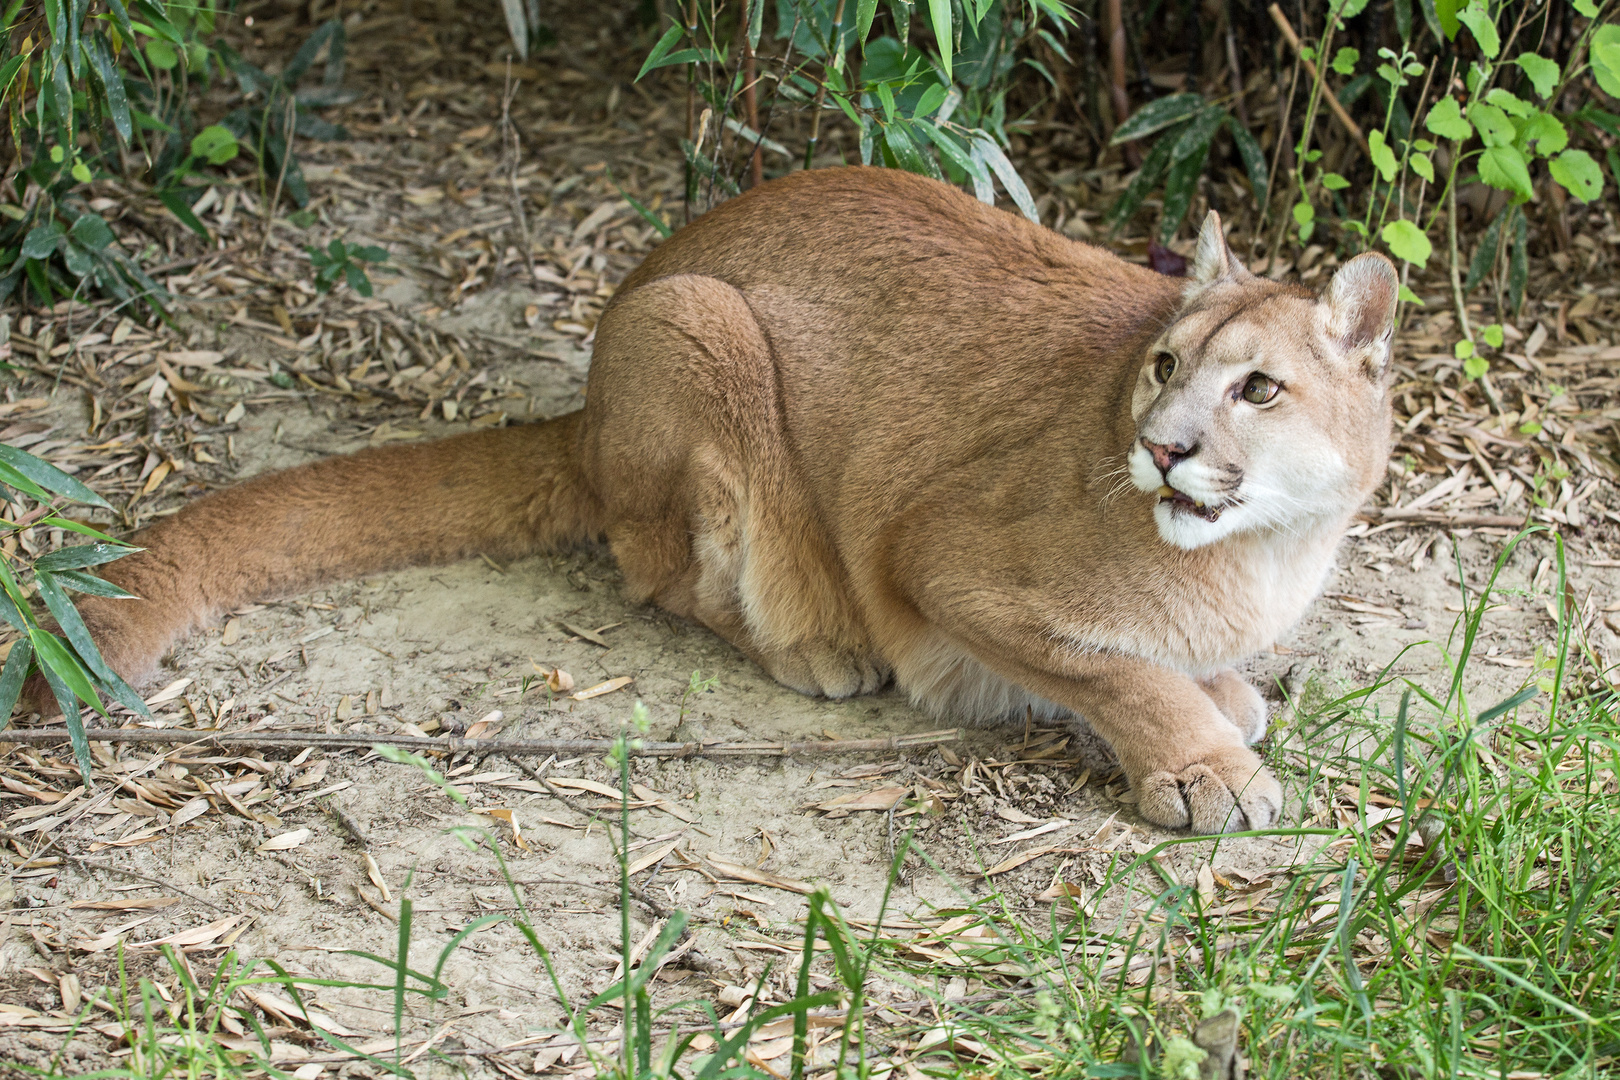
x,y
1360,309
1212,260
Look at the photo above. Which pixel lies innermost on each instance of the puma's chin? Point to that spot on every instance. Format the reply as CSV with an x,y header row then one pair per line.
x,y
1188,525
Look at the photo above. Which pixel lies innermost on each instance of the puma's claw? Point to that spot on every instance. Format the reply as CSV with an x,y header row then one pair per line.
x,y
1230,792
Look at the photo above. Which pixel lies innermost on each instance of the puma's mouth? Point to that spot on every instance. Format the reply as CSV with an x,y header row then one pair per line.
x,y
1181,502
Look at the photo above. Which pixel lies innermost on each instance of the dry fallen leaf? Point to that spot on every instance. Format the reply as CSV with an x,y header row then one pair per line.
x,y
374,872
725,868
285,841
195,808
876,799
604,688
580,784
145,903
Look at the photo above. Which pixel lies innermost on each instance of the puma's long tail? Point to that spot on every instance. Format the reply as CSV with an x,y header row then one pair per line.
x,y
503,492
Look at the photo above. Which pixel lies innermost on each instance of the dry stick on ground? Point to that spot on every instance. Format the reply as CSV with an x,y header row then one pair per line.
x,y
267,740
513,149
286,156
1332,100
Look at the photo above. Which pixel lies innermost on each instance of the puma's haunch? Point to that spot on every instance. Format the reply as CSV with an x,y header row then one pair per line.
x,y
863,426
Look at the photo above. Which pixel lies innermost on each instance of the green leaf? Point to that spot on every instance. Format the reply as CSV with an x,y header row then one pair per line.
x,y
983,189
1155,116
1509,103
180,208
1504,168
1518,261
1187,159
357,279
865,12
13,677
41,241
56,658
1589,8
214,144
80,581
1542,73
1445,119
985,149
1485,255
1407,242
1463,349
1146,179
67,616
1493,335
1477,17
1421,165
1494,128
1545,132
81,556
1579,174
1475,366
939,13
1410,297
50,477
1254,158
932,99
1334,182
91,230
665,43
1383,158
1606,58
162,55
1344,61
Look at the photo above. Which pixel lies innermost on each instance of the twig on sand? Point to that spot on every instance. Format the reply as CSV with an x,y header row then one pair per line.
x,y
268,740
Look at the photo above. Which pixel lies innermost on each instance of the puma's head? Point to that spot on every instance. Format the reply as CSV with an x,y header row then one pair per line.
x,y
1263,407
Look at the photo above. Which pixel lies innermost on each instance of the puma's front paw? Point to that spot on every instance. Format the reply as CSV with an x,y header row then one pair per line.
x,y
1228,791
1239,702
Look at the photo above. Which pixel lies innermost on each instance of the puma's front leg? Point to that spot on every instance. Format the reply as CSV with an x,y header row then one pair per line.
x,y
1185,759
1182,750
1239,702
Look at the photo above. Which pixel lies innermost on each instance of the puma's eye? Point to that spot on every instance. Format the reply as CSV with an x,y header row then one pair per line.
x,y
1164,367
1260,389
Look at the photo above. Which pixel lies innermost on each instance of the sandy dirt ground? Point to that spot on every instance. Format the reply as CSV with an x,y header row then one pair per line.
x,y
445,648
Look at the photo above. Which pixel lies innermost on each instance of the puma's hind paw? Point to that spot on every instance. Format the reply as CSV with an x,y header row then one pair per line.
x,y
1229,791
821,670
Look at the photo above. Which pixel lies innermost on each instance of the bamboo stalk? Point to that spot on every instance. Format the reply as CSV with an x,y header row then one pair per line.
x,y
271,740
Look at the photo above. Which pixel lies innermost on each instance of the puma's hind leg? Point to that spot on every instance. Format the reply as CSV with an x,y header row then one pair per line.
x,y
708,515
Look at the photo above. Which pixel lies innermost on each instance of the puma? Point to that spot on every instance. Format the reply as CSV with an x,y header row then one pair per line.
x,y
865,427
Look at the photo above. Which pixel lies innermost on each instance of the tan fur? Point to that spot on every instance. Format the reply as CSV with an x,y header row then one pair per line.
x,y
862,425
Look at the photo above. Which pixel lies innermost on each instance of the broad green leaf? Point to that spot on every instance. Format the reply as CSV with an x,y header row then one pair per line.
x,y
665,43
932,99
1195,140
1511,104
1545,132
1606,58
91,230
1445,12
1254,158
1187,161
49,476
986,150
1407,242
1543,73
1463,349
1477,17
1344,61
1475,366
1421,165
1485,255
1334,182
1494,128
1445,119
67,616
357,279
939,13
112,84
1504,168
162,55
1146,179
1589,8
1383,158
1156,115
214,144
175,201
41,241
983,189
1410,297
80,581
58,659
1579,174
81,556
13,677
865,12
1493,335
370,254
1518,260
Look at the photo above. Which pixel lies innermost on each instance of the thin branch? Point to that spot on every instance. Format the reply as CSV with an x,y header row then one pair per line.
x,y
268,740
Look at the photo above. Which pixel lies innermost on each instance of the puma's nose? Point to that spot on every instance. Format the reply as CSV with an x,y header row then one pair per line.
x,y
1168,455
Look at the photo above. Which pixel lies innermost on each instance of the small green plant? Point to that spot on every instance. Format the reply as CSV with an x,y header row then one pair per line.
x,y
344,260
695,686
70,664
1189,124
